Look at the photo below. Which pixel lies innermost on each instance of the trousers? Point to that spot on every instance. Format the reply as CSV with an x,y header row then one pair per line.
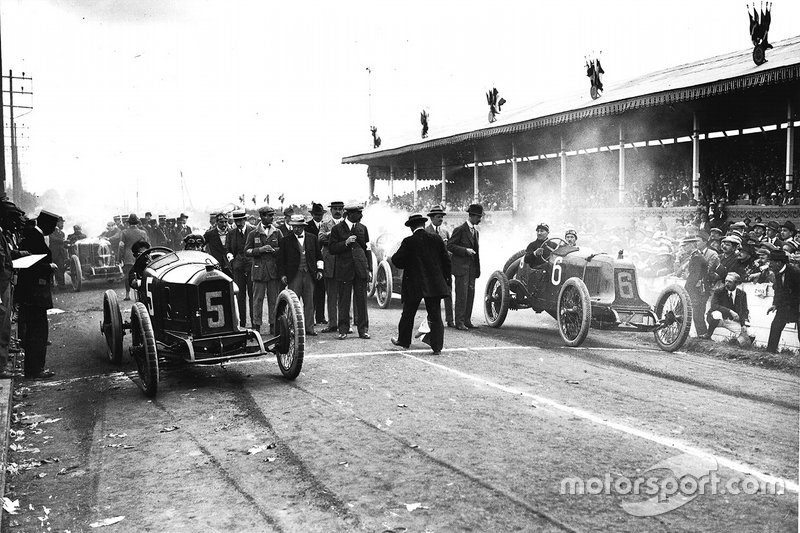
x,y
303,286
405,329
242,278
357,290
34,319
270,289
465,297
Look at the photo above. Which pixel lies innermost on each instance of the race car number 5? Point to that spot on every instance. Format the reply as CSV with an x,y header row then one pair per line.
x,y
219,321
556,277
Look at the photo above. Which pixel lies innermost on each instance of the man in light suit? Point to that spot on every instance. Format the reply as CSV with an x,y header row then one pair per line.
x,y
436,227
426,275
463,244
241,264
264,245
303,267
729,310
349,243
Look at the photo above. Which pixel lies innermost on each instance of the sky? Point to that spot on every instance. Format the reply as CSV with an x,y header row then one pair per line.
x,y
261,98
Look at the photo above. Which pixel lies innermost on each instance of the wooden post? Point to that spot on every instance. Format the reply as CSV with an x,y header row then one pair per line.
x,y
789,148
514,178
444,183
563,155
621,166
391,182
415,185
696,158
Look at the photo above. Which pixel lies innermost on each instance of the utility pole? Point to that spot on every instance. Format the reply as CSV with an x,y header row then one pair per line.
x,y
2,126
16,176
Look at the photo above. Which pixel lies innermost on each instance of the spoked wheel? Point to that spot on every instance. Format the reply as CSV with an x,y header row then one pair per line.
x,y
759,57
674,311
496,299
75,274
112,326
512,265
383,284
143,349
371,285
574,312
594,93
291,330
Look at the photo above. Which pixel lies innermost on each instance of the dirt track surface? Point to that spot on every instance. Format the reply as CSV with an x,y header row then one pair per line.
x,y
371,438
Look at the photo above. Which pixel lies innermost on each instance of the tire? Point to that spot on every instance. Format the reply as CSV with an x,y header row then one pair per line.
x,y
112,326
496,299
512,265
291,330
143,349
674,309
371,284
758,55
75,274
383,284
574,312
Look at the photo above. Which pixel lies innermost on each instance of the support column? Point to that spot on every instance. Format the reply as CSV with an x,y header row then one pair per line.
x,y
789,148
415,185
696,158
563,156
444,183
391,182
621,167
371,187
514,179
475,177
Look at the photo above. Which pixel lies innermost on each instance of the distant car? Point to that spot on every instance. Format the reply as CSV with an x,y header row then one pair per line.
x,y
186,310
580,288
91,259
386,278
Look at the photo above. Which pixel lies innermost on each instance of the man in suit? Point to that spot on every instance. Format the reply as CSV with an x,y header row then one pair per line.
x,y
34,295
241,264
58,248
729,310
10,219
130,236
463,244
215,242
426,275
436,227
181,231
349,243
264,245
331,285
772,236
303,267
787,297
695,267
313,228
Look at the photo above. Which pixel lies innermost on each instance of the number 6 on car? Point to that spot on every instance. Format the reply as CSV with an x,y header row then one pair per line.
x,y
190,315
581,288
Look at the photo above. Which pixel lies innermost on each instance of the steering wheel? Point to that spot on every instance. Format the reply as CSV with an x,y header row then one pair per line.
x,y
145,257
551,245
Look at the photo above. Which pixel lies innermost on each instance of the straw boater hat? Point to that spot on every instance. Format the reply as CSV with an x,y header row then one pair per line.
x,y
297,220
239,214
354,207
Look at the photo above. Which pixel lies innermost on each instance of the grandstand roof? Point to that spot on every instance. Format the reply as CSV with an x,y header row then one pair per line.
x,y
720,75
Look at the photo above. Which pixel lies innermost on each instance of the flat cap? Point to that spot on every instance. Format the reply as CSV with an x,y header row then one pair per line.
x,y
354,207
266,210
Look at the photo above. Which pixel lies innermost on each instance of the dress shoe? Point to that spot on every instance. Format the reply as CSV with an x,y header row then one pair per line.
x,y
706,336
462,327
350,331
397,343
311,333
451,324
364,335
323,321
342,336
330,329
44,374
437,352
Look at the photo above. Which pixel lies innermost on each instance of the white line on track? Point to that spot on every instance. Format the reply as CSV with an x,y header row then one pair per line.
x,y
790,485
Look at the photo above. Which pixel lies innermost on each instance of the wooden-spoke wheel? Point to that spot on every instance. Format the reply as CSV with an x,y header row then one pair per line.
x,y
291,330
383,284
143,349
112,326
496,299
574,312
674,312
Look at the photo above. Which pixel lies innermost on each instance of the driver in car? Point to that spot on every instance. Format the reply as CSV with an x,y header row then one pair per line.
x,y
534,253
571,236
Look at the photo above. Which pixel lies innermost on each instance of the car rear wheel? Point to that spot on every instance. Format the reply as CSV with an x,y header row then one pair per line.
x,y
143,349
75,274
112,326
383,284
372,285
512,265
674,311
574,312
291,331
496,299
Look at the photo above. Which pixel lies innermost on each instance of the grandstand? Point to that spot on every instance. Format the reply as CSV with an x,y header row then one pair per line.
x,y
717,129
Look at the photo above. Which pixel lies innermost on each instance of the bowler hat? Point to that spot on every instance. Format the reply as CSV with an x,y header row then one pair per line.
x,y
266,210
789,225
416,220
773,225
317,209
184,216
336,204
475,209
297,220
778,255
436,210
133,219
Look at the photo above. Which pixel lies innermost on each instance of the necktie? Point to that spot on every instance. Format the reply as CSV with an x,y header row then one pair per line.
x,y
437,230
733,295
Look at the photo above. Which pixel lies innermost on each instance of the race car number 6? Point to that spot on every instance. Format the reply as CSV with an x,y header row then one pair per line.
x,y
556,277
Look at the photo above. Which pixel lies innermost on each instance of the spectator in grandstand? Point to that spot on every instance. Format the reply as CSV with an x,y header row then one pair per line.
x,y
787,297
729,310
728,259
772,237
788,230
759,231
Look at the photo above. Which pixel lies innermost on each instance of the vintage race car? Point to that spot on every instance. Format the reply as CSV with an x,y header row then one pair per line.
x,y
580,288
386,279
186,310
93,258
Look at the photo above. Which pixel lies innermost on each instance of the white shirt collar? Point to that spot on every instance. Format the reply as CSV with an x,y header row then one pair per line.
x,y
349,224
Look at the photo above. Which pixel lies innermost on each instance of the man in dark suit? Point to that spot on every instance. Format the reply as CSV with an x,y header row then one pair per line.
x,y
436,227
787,297
241,264
58,248
695,268
463,244
349,243
426,274
34,295
729,310
215,242
313,228
304,266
